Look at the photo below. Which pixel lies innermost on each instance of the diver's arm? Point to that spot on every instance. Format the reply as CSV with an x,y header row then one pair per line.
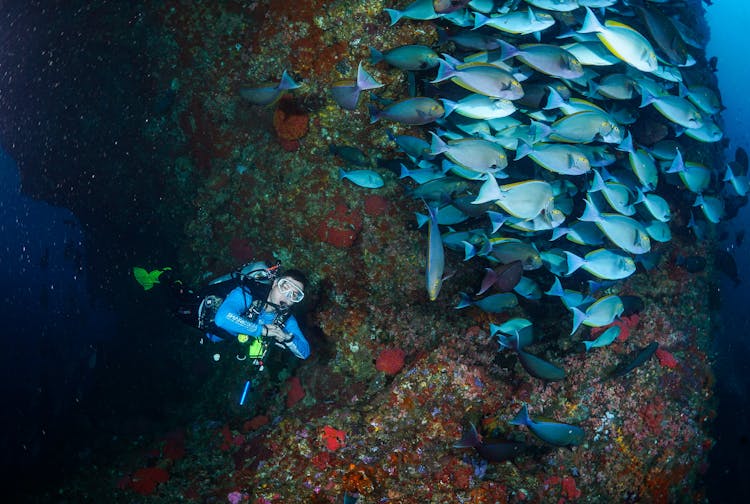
x,y
228,315
290,337
298,344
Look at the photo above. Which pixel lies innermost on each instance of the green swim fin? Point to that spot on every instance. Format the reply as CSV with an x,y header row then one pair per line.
x,y
148,279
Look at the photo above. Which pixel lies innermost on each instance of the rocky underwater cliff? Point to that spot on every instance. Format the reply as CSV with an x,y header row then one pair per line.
x,y
540,332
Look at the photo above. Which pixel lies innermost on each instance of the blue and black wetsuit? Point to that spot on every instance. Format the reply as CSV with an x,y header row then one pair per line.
x,y
227,309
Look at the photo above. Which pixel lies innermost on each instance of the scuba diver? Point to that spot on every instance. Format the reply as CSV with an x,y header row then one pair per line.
x,y
251,305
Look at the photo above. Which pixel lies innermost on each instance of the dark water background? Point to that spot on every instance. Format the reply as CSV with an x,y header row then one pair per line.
x,y
73,101
731,458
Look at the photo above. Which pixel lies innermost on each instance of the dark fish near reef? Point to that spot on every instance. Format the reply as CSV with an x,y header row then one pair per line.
x,y
739,237
350,154
270,92
643,355
664,33
724,262
692,264
503,278
535,366
554,433
740,156
493,451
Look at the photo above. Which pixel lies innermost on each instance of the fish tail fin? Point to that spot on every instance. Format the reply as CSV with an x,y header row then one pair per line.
x,y
507,50
395,15
421,218
574,262
486,249
539,131
438,145
556,289
559,232
578,318
522,418
494,329
464,301
627,144
479,20
469,438
342,174
365,80
588,345
640,198
647,97
469,250
445,71
375,56
677,165
554,100
598,183
404,171
590,213
490,277
523,149
287,82
449,106
590,23
728,175
374,113
682,91
489,191
496,219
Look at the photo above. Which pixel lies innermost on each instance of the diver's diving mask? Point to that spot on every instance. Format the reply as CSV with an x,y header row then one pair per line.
x,y
293,293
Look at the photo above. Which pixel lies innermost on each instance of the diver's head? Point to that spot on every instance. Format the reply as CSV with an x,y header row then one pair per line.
x,y
288,288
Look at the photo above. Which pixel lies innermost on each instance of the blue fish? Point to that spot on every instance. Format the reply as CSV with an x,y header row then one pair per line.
x,y
495,303
554,433
347,92
268,93
420,10
435,256
414,147
407,57
362,178
413,111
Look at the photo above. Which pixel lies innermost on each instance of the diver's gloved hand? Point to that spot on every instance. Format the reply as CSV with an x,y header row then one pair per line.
x,y
276,334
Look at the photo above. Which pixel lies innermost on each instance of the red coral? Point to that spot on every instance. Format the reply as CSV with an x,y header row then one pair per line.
x,y
295,392
227,438
626,324
333,438
289,121
375,205
255,423
569,489
174,448
666,359
390,361
340,227
144,480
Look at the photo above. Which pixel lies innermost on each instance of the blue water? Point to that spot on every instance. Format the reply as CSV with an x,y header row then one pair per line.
x,y
729,19
52,328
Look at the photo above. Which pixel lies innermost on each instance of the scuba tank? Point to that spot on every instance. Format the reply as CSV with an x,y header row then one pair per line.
x,y
258,271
